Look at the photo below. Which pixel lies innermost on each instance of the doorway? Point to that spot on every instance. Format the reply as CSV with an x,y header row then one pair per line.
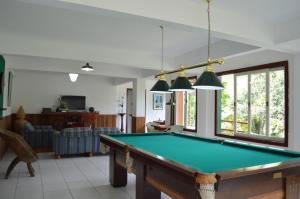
x,y
129,109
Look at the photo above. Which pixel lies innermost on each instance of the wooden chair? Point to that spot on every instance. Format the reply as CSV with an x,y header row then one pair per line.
x,y
20,147
175,129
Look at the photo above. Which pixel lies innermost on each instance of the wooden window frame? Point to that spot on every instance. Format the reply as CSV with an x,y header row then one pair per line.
x,y
173,112
283,64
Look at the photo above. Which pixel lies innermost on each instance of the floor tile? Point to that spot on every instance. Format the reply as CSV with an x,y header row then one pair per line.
x,y
85,193
54,186
79,184
58,194
28,194
66,178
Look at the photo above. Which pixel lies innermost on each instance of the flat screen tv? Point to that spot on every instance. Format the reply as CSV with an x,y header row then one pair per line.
x,y
76,103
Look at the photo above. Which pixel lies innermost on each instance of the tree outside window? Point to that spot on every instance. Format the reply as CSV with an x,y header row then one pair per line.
x,y
253,103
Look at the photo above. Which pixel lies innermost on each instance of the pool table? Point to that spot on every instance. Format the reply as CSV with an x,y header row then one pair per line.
x,y
191,167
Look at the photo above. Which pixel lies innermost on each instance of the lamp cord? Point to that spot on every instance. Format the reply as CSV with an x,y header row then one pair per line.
x,y
208,15
162,48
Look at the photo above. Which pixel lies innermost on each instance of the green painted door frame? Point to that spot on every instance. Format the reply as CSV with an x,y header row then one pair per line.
x,y
2,72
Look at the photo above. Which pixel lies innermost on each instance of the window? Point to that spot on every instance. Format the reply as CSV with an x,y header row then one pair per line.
x,y
253,105
185,112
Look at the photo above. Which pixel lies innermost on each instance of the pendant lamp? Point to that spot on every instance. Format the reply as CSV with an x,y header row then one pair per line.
x,y
208,79
161,86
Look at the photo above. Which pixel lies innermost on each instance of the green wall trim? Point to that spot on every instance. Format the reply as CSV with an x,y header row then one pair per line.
x,y
2,76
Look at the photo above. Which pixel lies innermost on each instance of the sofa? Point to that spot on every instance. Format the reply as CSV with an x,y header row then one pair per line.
x,y
79,140
38,136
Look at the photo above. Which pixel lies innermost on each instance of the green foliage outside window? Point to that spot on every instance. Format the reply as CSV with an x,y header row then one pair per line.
x,y
259,99
191,110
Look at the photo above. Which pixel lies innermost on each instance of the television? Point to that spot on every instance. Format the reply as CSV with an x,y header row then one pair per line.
x,y
76,103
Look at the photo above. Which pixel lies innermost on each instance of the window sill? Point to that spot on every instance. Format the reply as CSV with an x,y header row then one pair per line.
x,y
190,130
283,143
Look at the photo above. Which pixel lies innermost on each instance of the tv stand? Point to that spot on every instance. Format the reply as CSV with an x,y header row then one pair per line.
x,y
60,120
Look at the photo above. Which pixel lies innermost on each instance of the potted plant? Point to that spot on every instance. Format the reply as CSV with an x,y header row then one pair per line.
x,y
61,106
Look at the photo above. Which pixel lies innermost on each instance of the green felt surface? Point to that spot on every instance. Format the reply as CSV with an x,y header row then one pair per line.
x,y
205,155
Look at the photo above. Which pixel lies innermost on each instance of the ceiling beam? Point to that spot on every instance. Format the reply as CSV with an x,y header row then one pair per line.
x,y
70,66
25,45
184,14
223,48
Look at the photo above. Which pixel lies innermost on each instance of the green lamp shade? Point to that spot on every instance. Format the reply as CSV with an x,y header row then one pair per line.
x,y
208,81
181,84
161,86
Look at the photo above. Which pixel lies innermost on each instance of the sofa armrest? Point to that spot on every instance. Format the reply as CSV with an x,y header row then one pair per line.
x,y
105,131
43,127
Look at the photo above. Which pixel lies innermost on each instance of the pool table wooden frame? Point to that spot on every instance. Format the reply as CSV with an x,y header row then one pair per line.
x,y
154,174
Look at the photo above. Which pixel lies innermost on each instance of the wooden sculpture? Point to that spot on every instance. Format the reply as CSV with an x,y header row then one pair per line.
x,y
20,120
20,147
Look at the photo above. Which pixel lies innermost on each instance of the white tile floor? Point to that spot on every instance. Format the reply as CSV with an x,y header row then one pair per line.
x,y
66,178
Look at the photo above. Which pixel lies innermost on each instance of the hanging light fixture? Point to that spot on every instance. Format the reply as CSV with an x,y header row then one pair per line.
x,y
161,86
181,83
208,80
73,77
87,67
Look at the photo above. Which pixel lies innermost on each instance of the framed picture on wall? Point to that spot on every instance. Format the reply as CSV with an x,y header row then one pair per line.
x,y
158,101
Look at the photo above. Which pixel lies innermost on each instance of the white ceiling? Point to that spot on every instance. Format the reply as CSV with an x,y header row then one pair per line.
x,y
97,29
269,11
125,34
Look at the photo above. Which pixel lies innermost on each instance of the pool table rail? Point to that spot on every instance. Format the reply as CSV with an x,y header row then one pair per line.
x,y
118,145
155,173
272,167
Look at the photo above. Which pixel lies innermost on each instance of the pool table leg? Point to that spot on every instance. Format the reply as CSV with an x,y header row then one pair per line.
x,y
143,189
117,173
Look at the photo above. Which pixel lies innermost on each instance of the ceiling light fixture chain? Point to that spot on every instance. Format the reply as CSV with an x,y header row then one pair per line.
x,y
209,39
162,48
161,85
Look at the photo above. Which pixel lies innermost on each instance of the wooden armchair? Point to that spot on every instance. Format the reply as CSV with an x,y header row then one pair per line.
x,y
23,151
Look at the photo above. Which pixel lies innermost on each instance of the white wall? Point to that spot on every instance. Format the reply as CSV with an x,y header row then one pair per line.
x,y
153,115
35,90
296,107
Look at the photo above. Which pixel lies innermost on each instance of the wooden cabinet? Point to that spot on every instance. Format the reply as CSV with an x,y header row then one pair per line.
x,y
60,120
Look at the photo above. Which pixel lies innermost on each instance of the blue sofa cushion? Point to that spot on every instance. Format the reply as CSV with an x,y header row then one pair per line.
x,y
76,132
28,127
38,136
99,131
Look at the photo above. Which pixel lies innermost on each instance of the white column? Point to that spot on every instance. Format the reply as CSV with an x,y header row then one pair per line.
x,y
139,97
294,106
205,113
167,110
168,107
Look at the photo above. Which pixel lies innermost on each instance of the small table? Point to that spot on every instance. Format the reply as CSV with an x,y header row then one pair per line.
x,y
160,122
160,127
190,167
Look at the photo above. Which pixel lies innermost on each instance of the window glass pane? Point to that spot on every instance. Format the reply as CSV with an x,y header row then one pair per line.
x,y
242,104
258,103
277,101
190,110
226,107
